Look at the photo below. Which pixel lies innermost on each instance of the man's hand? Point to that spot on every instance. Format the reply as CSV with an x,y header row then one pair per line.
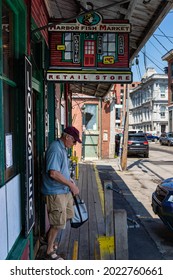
x,y
56,175
74,189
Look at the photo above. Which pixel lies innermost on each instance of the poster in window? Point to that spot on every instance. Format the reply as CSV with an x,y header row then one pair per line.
x,y
8,150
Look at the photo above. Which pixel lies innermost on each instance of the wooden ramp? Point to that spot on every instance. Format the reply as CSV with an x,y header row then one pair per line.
x,y
95,238
81,243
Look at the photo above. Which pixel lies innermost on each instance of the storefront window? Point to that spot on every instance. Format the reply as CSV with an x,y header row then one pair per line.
x,y
68,46
9,129
162,111
9,98
90,117
109,45
7,41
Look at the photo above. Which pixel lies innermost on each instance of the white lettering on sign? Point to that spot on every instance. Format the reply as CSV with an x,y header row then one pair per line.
x,y
72,27
76,52
29,148
125,77
121,45
29,166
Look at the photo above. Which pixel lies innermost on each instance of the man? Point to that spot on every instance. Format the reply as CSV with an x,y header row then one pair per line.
x,y
58,187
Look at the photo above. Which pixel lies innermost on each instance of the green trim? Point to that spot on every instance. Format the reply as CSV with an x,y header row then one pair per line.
x,y
37,35
18,248
20,35
15,5
37,85
8,81
31,251
2,141
18,9
2,163
1,53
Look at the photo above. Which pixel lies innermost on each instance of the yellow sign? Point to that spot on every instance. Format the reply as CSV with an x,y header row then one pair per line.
x,y
108,59
60,47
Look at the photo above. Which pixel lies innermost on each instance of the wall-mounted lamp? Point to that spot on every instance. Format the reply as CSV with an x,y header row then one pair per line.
x,y
83,108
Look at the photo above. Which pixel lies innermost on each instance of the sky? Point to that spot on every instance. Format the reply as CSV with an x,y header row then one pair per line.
x,y
158,45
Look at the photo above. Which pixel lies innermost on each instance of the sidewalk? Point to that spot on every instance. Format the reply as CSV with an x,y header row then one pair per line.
x,y
141,245
81,243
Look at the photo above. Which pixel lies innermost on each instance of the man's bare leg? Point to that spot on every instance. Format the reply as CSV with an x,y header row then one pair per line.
x,y
52,234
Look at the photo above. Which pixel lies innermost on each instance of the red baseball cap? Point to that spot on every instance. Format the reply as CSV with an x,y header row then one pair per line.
x,y
71,130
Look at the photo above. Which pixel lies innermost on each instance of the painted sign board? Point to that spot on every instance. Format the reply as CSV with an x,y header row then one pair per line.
x,y
108,59
60,47
91,22
92,49
113,77
123,28
29,166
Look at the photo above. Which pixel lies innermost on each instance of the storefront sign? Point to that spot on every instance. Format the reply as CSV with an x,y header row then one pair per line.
x,y
108,59
60,47
29,175
121,77
8,150
76,49
91,21
72,27
99,44
121,45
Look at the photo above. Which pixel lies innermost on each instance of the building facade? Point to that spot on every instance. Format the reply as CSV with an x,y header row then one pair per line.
x,y
28,108
95,119
169,58
120,94
148,104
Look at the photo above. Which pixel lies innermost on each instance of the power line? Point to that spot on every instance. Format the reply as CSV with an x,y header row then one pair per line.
x,y
160,43
153,62
145,60
165,35
159,35
155,47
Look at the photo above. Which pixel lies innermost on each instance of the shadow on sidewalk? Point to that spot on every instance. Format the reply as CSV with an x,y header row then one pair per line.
x,y
141,245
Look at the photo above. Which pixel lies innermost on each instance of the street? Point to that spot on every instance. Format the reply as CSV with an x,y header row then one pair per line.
x,y
149,238
144,175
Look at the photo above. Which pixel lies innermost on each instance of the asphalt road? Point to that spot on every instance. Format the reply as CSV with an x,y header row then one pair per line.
x,y
148,237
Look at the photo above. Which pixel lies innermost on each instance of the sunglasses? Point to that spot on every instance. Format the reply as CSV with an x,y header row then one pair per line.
x,y
74,141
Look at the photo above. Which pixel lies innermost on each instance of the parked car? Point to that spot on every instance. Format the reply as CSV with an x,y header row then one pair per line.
x,y
138,144
166,138
151,137
162,202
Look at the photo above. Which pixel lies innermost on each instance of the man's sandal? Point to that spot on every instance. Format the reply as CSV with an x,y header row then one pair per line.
x,y
53,256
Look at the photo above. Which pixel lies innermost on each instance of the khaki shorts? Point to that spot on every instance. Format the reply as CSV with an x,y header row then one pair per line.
x,y
60,209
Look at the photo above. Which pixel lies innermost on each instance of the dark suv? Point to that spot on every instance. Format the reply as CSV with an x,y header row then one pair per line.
x,y
138,144
166,139
162,202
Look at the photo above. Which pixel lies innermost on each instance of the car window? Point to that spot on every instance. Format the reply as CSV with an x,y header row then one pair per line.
x,y
170,135
136,138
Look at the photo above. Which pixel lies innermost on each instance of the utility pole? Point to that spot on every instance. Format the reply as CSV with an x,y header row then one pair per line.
x,y
126,128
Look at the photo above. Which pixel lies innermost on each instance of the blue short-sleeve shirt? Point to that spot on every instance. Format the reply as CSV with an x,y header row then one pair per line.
x,y
56,159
